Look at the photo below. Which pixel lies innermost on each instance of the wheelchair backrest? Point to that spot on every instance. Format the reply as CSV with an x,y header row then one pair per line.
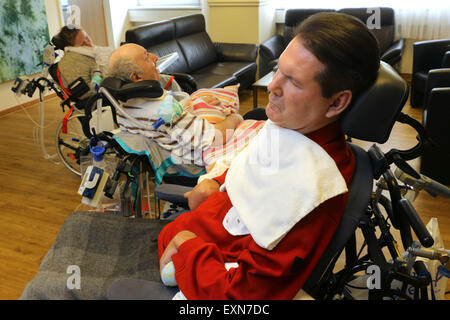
x,y
69,92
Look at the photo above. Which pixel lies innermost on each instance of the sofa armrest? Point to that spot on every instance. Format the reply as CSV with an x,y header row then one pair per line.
x,y
273,47
437,78
394,52
186,81
269,52
236,51
428,54
446,60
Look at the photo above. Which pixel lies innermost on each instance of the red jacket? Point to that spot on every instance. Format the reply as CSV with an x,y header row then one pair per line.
x,y
262,274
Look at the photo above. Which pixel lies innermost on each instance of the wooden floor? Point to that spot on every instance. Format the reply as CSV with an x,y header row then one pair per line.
x,y
36,195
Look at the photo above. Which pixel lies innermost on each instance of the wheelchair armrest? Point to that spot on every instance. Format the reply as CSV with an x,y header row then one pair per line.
x,y
173,193
236,51
186,81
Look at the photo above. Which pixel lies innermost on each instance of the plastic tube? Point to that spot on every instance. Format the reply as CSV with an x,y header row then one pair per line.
x,y
125,114
41,131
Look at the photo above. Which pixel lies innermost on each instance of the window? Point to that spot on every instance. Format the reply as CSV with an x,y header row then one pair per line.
x,y
169,3
419,20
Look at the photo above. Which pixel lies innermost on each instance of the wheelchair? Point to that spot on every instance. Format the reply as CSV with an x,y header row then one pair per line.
x,y
371,117
374,212
93,120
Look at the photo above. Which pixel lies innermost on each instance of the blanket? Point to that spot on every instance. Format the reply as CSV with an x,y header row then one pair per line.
x,y
102,248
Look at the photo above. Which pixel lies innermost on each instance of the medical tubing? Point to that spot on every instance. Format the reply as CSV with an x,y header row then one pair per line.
x,y
41,131
122,111
99,114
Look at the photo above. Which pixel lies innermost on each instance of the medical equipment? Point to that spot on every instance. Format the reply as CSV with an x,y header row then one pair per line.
x,y
165,61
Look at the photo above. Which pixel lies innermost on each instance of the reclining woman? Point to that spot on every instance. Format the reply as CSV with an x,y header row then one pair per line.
x,y
84,59
195,133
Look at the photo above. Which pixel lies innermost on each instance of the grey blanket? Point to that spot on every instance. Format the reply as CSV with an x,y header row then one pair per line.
x,y
91,251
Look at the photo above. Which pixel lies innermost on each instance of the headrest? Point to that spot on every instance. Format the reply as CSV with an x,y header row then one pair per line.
x,y
372,114
123,90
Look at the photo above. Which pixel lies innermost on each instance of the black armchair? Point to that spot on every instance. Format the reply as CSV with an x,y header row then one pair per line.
x,y
201,63
435,160
428,55
391,51
271,49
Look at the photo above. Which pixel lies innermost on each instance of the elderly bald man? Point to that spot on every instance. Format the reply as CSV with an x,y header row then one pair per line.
x,y
186,138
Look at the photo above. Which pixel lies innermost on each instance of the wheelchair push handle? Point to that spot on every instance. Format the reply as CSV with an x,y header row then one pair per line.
x,y
416,223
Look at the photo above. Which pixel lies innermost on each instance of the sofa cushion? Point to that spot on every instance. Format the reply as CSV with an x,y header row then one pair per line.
x,y
187,25
225,73
198,50
205,80
149,35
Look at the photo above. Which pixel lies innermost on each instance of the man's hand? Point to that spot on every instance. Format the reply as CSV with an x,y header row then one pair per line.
x,y
201,192
225,129
173,246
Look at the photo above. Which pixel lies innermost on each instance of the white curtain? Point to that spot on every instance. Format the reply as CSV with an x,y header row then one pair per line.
x,y
423,23
427,20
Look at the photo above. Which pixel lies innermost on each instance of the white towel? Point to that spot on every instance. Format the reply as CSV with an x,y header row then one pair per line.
x,y
276,181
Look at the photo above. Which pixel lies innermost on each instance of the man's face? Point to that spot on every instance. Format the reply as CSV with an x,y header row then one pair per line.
x,y
147,62
295,100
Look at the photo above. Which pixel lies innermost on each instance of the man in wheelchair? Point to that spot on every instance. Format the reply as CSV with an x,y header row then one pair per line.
x,y
132,63
246,236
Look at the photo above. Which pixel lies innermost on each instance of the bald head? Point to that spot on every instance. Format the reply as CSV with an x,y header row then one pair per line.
x,y
132,62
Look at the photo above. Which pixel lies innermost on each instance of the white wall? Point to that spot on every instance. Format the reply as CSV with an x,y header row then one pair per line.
x,y
7,97
117,20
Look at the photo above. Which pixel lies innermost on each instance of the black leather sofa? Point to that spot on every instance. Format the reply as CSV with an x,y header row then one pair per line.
x,y
201,63
391,51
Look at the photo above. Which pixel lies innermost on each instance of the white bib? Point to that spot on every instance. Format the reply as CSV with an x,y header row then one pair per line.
x,y
276,181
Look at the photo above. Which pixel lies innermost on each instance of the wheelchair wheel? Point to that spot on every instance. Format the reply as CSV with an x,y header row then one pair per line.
x,y
72,145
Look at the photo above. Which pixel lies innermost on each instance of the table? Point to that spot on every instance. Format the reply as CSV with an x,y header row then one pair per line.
x,y
261,83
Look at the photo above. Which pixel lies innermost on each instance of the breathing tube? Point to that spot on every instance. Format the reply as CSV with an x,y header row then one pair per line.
x,y
164,111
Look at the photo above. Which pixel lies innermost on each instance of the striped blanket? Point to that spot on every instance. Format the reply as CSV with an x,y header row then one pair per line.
x,y
217,160
214,105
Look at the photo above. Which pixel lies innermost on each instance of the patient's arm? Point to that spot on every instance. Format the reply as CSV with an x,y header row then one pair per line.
x,y
225,129
201,192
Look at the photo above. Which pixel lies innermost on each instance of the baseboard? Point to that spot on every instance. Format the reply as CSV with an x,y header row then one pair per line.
x,y
25,105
